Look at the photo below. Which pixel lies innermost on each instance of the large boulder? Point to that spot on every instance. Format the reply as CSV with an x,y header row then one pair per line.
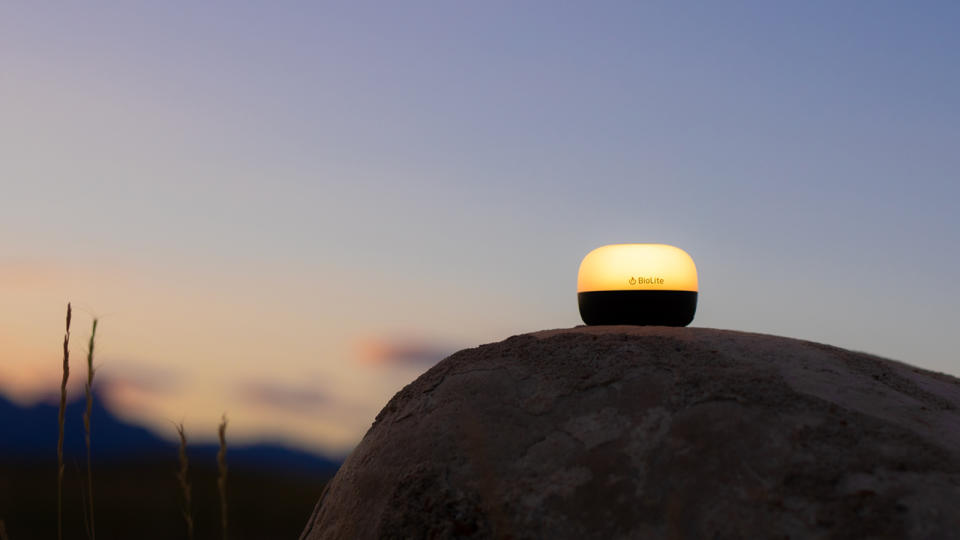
x,y
653,432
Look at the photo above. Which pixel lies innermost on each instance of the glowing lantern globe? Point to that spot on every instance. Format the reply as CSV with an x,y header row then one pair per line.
x,y
646,284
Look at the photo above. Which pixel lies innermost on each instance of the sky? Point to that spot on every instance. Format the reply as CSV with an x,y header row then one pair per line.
x,y
287,211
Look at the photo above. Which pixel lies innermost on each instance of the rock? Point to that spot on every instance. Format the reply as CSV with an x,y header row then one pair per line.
x,y
654,432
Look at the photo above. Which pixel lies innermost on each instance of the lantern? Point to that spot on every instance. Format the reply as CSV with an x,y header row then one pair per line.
x,y
643,284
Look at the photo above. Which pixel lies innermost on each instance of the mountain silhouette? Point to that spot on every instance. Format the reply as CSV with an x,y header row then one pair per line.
x,y
30,433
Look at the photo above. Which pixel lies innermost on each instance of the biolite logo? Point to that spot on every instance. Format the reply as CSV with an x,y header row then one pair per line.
x,y
645,280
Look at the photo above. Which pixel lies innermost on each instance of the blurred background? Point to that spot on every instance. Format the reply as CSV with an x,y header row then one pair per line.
x,y
288,211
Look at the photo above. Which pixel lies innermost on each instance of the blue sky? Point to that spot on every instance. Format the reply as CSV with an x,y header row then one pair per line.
x,y
257,194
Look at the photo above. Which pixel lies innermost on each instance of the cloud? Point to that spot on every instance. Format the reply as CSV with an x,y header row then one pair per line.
x,y
378,351
130,388
127,386
140,381
29,383
280,396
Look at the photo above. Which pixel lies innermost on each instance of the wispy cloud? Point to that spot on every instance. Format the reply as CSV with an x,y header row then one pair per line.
x,y
32,383
381,351
281,396
140,381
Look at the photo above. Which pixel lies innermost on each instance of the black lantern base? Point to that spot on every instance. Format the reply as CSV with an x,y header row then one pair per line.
x,y
649,308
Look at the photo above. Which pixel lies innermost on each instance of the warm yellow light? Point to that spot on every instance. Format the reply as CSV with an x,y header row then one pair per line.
x,y
643,284
640,267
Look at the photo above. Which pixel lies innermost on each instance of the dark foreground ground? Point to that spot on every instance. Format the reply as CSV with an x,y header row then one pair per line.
x,y
141,500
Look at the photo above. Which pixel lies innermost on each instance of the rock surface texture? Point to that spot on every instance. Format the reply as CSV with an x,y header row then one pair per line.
x,y
654,432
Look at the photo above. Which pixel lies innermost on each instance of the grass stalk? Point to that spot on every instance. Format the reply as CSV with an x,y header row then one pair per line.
x,y
183,476
83,501
63,410
222,477
91,531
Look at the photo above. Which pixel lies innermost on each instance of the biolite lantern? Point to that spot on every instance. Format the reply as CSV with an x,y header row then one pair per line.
x,y
645,284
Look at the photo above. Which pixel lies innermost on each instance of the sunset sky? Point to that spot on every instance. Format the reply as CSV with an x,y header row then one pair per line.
x,y
288,211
